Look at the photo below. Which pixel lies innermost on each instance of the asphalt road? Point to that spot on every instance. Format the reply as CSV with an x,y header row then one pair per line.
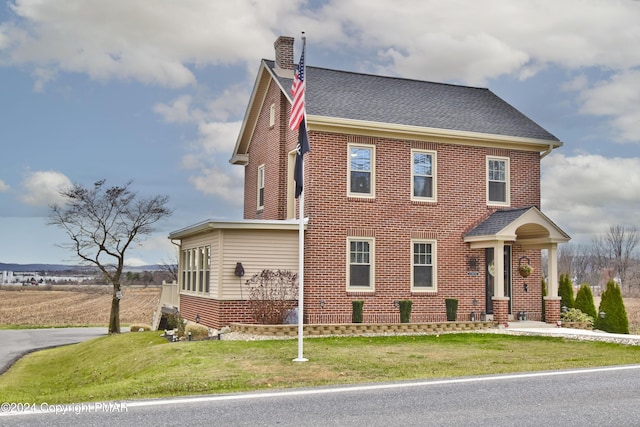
x,y
588,397
15,343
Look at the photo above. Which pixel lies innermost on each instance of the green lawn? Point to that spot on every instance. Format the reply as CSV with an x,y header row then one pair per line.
x,y
144,365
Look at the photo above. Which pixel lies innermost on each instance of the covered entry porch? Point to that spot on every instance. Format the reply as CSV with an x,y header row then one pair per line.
x,y
531,229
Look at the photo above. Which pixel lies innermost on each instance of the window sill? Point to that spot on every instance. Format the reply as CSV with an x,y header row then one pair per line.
x,y
354,198
355,292
424,202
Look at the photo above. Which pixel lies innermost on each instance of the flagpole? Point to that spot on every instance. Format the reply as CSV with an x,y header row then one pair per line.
x,y
301,357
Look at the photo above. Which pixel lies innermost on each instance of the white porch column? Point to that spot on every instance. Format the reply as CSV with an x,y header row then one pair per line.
x,y
498,270
552,267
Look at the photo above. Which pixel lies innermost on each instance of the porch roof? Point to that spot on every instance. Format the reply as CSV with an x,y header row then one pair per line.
x,y
254,224
527,226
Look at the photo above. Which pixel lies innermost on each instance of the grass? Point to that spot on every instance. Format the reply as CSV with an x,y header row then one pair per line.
x,y
144,365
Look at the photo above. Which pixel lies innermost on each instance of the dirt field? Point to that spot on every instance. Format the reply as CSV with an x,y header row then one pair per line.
x,y
75,306
90,305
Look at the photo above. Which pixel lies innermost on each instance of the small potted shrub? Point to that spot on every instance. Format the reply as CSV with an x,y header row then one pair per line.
x,y
357,311
452,309
405,310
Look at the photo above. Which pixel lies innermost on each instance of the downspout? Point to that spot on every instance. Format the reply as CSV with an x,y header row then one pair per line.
x,y
546,152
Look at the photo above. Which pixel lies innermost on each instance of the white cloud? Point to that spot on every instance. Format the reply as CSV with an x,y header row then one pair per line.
x,y
458,40
42,188
215,139
227,183
588,193
619,99
151,42
178,111
3,186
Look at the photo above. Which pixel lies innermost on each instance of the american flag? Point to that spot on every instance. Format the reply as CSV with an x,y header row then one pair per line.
x,y
297,90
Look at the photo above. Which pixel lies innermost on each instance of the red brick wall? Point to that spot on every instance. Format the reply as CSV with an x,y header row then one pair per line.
x,y
392,218
267,148
213,313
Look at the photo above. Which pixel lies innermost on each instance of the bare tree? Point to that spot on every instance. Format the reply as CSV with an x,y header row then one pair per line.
x,y
102,223
622,241
565,260
170,268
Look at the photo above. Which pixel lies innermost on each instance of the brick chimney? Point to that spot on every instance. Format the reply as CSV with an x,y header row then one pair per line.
x,y
284,53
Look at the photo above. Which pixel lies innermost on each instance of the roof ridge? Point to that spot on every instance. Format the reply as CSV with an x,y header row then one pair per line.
x,y
391,77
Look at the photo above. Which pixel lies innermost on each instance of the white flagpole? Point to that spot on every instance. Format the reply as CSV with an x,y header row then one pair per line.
x,y
301,357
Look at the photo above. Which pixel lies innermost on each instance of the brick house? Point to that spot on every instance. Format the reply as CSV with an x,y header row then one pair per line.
x,y
413,190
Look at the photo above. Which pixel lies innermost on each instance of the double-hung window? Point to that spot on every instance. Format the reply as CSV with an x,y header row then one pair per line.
x,y
361,180
423,185
424,265
360,263
498,187
260,201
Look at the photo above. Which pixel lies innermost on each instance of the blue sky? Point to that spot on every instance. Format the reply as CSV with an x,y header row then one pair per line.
x,y
155,92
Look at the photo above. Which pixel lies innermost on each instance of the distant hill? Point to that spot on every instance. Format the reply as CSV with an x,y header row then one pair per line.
x,y
73,268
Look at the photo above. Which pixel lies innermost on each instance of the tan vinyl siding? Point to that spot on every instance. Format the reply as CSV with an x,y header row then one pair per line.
x,y
256,250
216,270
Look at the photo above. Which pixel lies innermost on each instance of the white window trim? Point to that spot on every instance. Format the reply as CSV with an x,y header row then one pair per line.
x,y
434,265
372,194
372,264
196,270
272,115
260,185
434,176
507,177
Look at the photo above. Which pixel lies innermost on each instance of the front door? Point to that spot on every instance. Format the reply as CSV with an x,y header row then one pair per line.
x,y
489,271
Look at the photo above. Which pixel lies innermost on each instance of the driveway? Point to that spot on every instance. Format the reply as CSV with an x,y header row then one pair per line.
x,y
15,343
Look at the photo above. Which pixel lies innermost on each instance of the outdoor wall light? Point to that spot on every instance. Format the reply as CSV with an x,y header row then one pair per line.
x,y
239,269
197,318
396,304
564,309
526,287
322,303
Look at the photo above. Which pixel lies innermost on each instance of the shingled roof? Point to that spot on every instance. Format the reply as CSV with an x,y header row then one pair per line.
x,y
527,225
497,221
366,97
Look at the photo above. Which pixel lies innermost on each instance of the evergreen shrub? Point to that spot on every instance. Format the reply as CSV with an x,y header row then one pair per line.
x,y
565,291
452,309
584,301
612,316
357,311
405,311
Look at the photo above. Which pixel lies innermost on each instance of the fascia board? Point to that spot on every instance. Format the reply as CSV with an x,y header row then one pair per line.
x,y
390,130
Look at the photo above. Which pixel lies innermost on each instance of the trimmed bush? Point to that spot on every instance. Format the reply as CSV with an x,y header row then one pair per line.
x,y
615,315
198,332
136,327
405,311
452,309
176,322
565,291
584,301
357,311
575,315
